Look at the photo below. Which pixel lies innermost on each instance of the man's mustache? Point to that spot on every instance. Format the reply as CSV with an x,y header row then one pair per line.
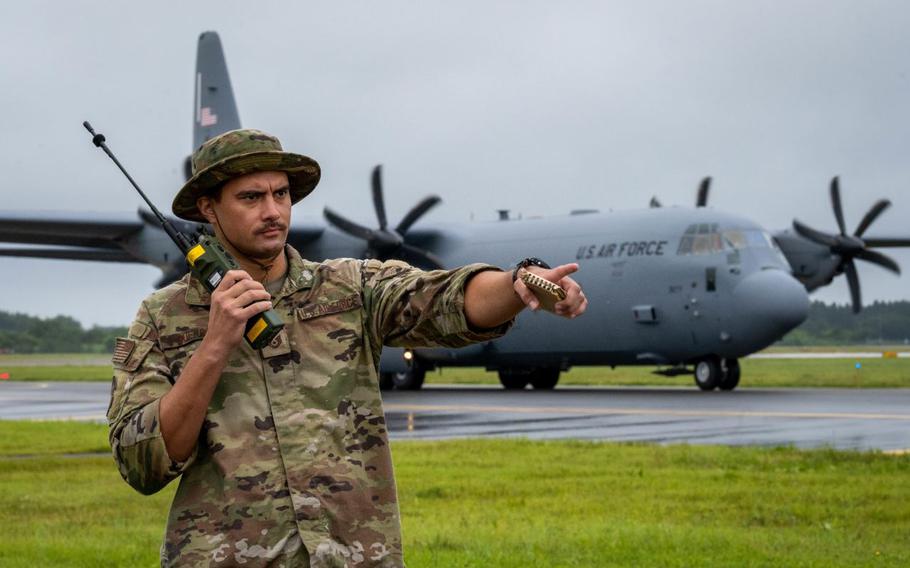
x,y
270,226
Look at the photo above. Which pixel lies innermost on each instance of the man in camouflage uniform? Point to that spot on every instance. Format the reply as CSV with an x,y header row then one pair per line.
x,y
283,452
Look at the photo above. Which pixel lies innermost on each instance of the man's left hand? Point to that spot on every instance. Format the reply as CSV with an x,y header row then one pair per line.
x,y
575,303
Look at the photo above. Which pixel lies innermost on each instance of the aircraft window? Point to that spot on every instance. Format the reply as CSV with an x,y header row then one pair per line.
x,y
737,240
734,240
757,239
706,241
685,245
701,245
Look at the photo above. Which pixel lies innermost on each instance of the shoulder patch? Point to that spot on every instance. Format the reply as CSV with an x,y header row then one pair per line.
x,y
129,353
123,348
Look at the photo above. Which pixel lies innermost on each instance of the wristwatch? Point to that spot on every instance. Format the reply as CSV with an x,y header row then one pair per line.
x,y
530,261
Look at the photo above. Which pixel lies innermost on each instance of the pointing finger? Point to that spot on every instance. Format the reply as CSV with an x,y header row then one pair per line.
x,y
558,273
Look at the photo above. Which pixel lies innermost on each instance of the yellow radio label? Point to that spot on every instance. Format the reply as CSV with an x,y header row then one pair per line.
x,y
194,253
257,328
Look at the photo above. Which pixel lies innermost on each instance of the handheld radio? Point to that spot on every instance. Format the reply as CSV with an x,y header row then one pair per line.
x,y
207,259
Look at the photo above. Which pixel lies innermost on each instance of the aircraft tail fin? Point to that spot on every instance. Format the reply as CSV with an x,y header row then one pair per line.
x,y
215,110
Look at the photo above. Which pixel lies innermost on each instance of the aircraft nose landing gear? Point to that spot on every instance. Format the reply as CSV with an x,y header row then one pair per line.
x,y
713,372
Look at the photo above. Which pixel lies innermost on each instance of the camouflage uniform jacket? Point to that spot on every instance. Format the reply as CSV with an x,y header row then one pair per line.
x,y
293,466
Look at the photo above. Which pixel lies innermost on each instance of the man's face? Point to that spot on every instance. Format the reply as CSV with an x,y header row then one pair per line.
x,y
253,211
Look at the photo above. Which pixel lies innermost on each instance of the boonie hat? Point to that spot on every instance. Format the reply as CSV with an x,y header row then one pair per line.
x,y
237,153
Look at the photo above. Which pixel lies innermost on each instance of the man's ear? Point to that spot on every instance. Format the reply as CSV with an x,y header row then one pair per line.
x,y
206,206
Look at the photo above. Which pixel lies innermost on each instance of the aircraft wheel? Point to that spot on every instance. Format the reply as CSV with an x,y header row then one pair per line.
x,y
708,373
544,379
731,375
411,379
514,379
386,382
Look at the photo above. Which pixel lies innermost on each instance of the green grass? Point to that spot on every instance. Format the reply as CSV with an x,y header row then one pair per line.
x,y
33,438
512,503
862,348
879,373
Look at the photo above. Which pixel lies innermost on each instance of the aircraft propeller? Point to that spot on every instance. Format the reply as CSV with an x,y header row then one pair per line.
x,y
700,201
849,247
703,188
385,242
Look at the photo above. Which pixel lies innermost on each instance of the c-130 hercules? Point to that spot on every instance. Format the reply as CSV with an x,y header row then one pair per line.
x,y
690,290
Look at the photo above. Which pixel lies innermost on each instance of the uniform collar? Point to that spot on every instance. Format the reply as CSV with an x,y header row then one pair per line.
x,y
299,277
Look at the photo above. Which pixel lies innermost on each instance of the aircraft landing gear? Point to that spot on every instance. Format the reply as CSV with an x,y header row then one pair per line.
x,y
708,373
731,375
541,378
712,372
412,379
545,378
514,379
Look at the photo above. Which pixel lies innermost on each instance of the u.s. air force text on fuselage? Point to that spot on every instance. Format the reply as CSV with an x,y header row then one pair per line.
x,y
626,248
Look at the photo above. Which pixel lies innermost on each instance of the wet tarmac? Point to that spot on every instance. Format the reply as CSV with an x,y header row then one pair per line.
x,y
840,418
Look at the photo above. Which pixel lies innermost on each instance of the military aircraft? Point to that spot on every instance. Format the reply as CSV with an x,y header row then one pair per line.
x,y
688,290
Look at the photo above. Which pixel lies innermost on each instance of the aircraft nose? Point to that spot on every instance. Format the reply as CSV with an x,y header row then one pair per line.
x,y
771,303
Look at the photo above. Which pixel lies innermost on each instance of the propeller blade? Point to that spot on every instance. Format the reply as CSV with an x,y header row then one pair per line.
x,y
655,203
871,216
853,282
424,258
378,201
813,235
417,212
836,203
886,242
879,259
703,189
346,226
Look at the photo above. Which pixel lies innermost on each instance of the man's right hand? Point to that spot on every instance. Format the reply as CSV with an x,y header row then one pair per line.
x,y
236,299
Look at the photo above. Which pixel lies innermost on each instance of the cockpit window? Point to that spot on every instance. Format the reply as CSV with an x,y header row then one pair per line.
x,y
705,238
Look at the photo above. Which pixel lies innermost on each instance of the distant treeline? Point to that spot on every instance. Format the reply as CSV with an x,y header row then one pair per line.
x,y
827,324
833,324
20,333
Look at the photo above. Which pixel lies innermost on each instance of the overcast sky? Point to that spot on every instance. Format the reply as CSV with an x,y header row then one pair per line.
x,y
489,105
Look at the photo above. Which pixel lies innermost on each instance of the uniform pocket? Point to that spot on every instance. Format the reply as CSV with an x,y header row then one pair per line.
x,y
179,347
328,337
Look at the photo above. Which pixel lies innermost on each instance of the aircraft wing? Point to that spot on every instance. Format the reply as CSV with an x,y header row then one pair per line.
x,y
86,236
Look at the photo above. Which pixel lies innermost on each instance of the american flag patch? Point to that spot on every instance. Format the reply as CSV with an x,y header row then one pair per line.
x,y
123,348
207,117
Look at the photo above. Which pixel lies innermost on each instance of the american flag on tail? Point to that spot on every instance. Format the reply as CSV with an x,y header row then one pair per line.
x,y
207,117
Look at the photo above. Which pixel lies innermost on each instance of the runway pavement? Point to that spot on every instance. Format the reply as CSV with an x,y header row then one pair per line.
x,y
840,418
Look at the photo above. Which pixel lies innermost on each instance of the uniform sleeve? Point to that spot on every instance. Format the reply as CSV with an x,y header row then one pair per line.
x,y
409,307
141,378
